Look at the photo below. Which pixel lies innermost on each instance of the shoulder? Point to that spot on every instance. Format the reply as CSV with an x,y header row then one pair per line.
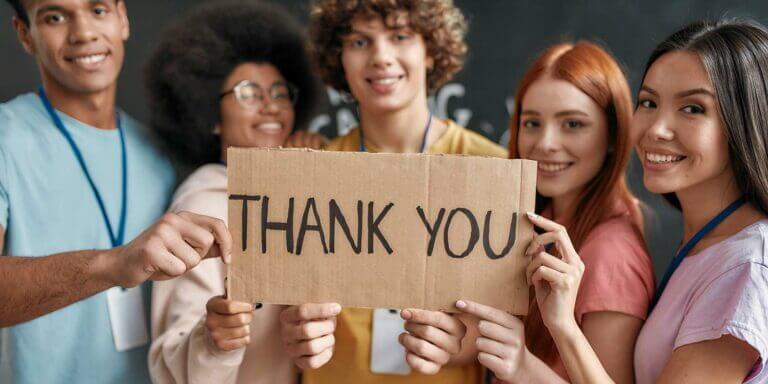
x,y
616,248
348,142
460,140
750,245
21,119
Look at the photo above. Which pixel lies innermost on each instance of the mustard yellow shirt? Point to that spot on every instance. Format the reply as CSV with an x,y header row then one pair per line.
x,y
352,354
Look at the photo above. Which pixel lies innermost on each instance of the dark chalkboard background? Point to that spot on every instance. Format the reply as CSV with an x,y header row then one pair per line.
x,y
504,37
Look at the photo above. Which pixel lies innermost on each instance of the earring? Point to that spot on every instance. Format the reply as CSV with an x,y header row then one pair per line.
x,y
216,130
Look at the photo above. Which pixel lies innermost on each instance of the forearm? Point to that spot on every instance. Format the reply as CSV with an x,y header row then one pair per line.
x,y
34,286
182,355
535,371
579,358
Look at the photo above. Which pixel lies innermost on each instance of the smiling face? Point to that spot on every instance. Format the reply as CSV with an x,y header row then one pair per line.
x,y
683,143
78,44
250,122
385,67
566,132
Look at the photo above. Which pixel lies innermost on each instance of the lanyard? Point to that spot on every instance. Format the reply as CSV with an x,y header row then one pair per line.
x,y
683,252
423,140
118,238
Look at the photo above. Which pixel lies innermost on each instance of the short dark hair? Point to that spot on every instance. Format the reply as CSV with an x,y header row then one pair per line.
x,y
735,56
198,52
21,12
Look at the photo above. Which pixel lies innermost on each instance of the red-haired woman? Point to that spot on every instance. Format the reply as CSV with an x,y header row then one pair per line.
x,y
572,114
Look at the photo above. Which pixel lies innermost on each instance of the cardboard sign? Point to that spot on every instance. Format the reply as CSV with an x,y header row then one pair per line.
x,y
379,230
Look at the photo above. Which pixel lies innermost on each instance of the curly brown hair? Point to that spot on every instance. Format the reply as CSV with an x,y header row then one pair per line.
x,y
439,22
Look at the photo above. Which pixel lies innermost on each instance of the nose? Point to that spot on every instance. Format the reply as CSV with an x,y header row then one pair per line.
x,y
549,140
82,30
269,106
657,129
382,54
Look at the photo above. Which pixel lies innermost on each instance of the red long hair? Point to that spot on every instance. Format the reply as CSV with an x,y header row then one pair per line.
x,y
595,72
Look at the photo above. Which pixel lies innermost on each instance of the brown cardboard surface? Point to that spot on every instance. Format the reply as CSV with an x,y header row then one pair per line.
x,y
388,268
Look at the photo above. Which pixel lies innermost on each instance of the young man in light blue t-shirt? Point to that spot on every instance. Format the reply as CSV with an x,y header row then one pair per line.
x,y
80,183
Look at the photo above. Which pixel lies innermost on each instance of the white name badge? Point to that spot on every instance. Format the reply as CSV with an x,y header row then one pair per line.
x,y
387,355
126,314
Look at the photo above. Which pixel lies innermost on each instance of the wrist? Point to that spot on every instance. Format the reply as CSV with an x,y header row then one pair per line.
x,y
564,330
105,267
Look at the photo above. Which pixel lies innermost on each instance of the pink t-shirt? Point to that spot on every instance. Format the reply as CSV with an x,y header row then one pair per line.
x,y
618,274
722,290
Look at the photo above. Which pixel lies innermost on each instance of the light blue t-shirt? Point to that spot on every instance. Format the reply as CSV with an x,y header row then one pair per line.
x,y
46,207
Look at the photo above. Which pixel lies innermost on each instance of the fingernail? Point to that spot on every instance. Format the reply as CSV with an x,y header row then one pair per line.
x,y
406,314
461,304
336,308
532,214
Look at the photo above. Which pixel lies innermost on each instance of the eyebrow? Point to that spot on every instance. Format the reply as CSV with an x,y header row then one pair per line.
x,y
570,112
57,7
695,91
558,114
649,90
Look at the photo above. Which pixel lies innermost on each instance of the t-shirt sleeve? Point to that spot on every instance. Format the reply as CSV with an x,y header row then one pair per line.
x,y
4,204
618,276
733,304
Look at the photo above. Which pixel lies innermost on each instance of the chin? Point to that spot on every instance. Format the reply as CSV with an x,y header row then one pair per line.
x,y
656,185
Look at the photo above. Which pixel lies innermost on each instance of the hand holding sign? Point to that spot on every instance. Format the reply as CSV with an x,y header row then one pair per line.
x,y
305,139
501,344
170,247
432,338
228,323
307,332
556,280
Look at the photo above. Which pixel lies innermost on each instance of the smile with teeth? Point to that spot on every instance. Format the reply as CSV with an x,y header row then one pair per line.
x,y
658,158
553,167
89,59
270,127
385,80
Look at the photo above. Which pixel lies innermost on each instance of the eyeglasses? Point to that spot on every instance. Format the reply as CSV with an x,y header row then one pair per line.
x,y
250,95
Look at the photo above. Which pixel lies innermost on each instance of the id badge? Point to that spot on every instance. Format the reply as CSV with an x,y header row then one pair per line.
x,y
127,317
387,355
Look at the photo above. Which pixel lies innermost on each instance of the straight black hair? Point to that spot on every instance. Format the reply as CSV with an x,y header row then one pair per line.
x,y
735,56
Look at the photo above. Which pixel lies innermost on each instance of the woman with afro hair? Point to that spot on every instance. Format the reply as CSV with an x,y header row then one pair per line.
x,y
227,74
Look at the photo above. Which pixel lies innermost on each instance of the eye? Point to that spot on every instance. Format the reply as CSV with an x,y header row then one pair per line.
x,y
402,36
574,124
358,42
645,103
530,124
693,109
100,10
54,18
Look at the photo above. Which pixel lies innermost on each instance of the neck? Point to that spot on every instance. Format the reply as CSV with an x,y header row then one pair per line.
x,y
563,205
401,131
96,109
700,205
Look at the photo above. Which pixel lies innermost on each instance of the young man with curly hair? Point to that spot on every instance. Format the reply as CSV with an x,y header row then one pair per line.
x,y
388,55
80,183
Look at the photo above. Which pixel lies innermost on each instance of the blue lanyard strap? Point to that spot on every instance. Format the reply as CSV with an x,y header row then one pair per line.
x,y
683,252
423,140
119,238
